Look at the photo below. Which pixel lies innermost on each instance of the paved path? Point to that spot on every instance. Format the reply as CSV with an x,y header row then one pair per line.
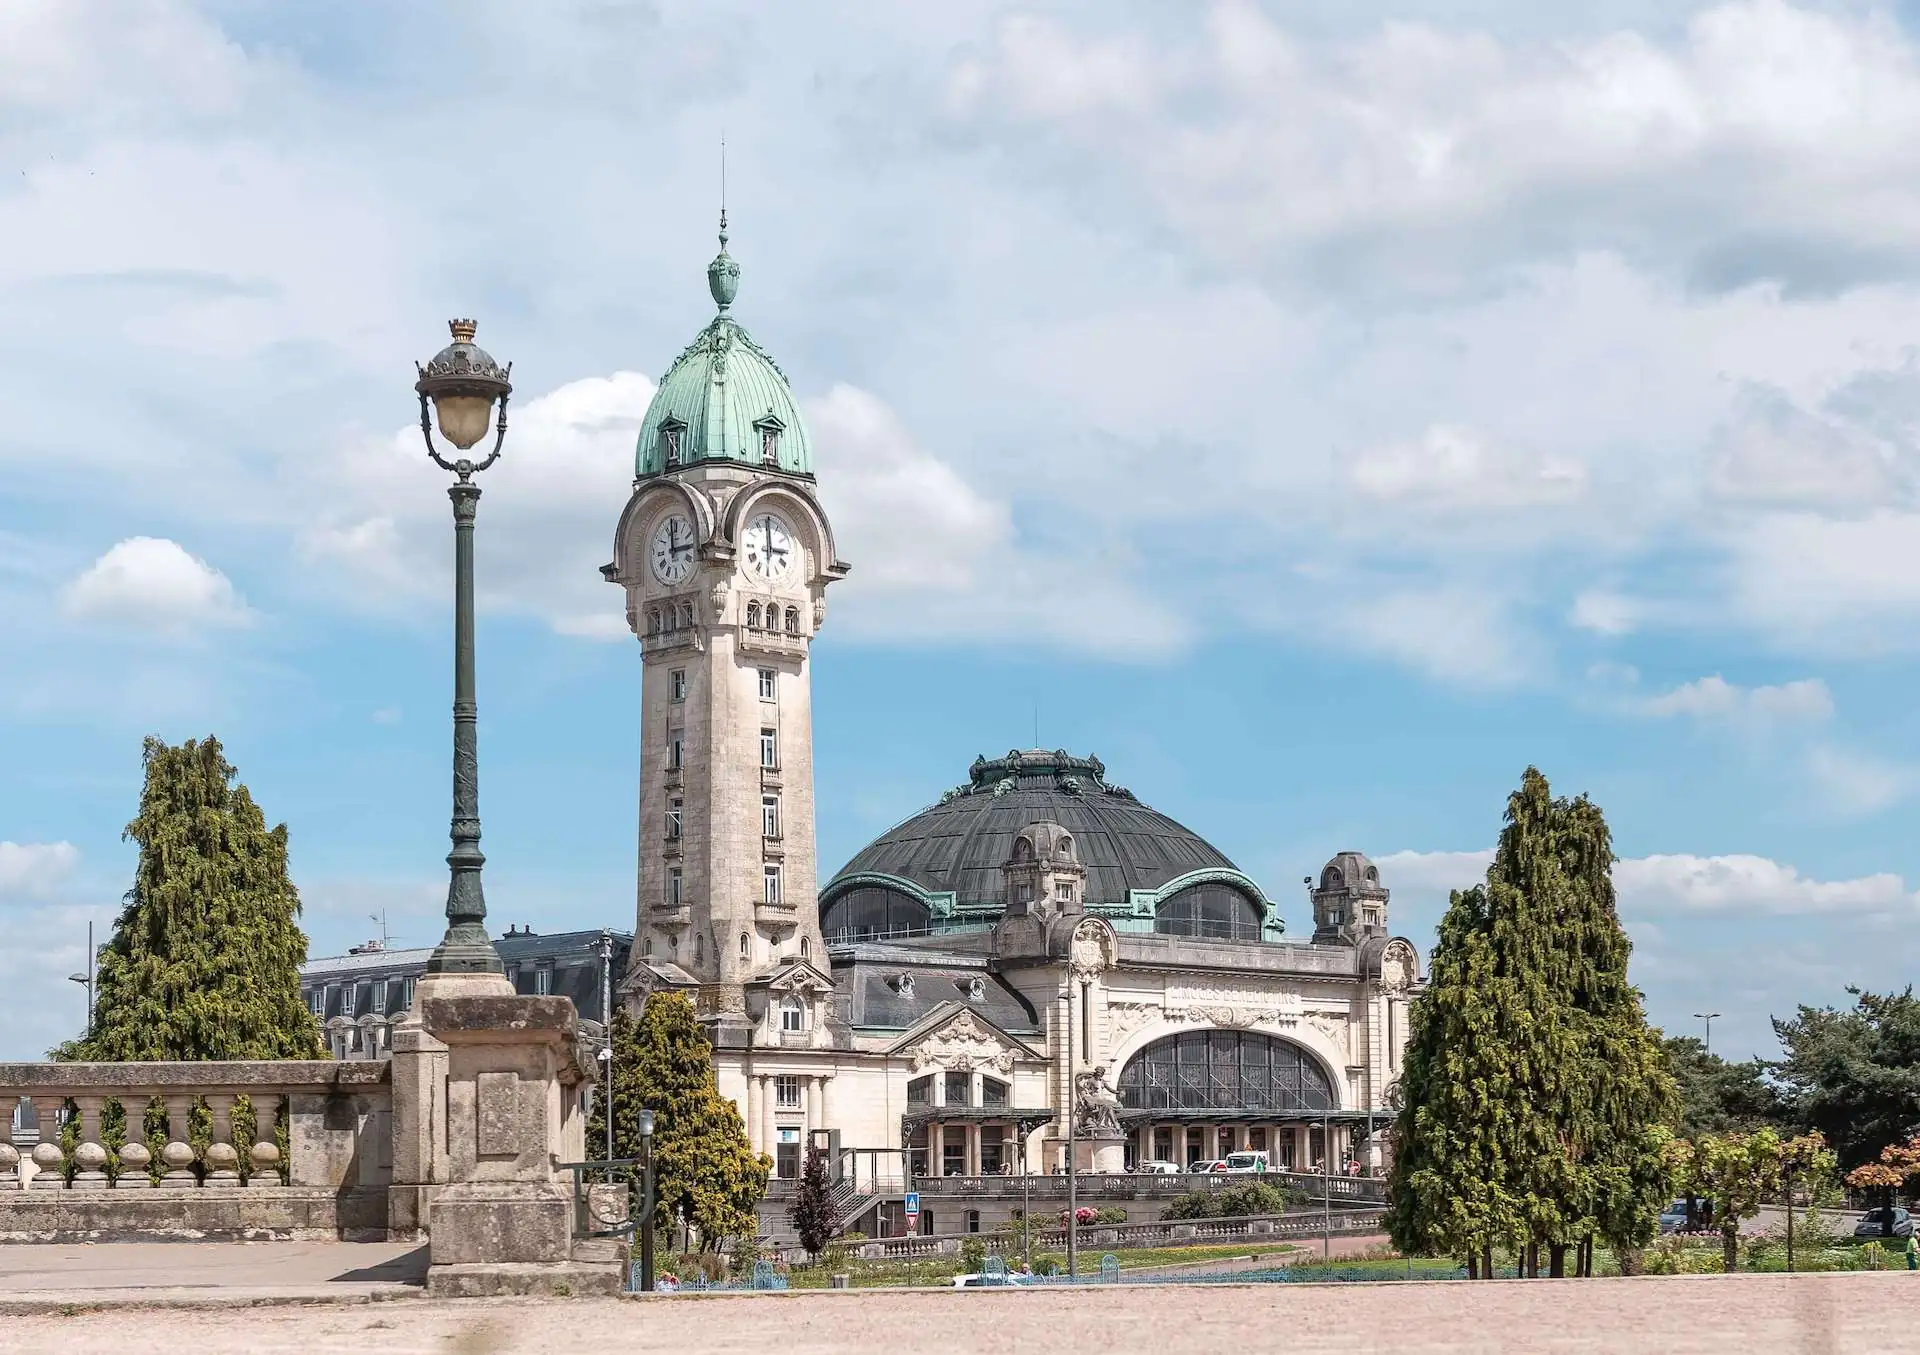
x,y
240,1272
1830,1314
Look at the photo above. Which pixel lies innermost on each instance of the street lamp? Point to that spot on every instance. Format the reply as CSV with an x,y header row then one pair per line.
x,y
462,384
86,980
644,1122
1706,1048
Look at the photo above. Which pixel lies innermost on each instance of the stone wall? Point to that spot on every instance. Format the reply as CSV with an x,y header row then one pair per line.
x,y
70,1181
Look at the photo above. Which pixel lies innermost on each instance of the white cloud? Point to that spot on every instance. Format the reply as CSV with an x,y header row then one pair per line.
x,y
1856,783
1454,467
1605,612
154,584
1457,634
1773,452
1713,698
1678,883
35,871
1750,884
1433,872
1817,581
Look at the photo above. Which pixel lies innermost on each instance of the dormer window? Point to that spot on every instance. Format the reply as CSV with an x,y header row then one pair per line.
x,y
770,431
671,435
793,1016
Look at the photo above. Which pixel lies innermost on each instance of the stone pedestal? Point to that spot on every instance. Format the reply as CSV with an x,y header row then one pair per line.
x,y
1102,1155
500,1221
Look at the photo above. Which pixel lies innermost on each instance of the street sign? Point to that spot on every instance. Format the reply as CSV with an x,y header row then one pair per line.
x,y
913,1204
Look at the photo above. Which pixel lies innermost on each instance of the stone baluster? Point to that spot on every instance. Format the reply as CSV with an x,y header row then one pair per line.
x,y
134,1153
178,1154
223,1160
47,1157
9,1155
265,1152
89,1154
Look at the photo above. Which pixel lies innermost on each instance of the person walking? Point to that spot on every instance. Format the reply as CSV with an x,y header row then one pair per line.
x,y
1913,1251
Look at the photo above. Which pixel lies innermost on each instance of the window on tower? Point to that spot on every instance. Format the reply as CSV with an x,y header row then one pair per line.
x,y
746,946
676,891
674,808
769,816
773,884
793,1015
676,749
679,681
768,684
670,443
769,748
793,620
770,445
753,616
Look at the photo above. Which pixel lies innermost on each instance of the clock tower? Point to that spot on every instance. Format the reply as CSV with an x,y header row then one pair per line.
x,y
725,555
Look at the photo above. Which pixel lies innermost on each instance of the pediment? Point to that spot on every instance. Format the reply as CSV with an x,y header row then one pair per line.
x,y
798,976
955,1038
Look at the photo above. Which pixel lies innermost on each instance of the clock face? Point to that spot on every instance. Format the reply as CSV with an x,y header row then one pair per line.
x,y
770,550
671,550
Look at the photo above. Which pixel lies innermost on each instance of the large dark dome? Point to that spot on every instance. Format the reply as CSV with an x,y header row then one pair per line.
x,y
959,845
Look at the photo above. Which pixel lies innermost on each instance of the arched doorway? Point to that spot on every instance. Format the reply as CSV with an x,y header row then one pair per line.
x,y
1201,1094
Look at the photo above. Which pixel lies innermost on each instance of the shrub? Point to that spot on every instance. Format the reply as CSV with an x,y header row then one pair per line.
x,y
1235,1202
973,1255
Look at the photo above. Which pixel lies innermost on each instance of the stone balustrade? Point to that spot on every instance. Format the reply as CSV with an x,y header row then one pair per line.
x,y
76,1180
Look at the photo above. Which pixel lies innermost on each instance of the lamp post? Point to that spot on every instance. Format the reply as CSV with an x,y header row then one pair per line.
x,y
1707,1046
86,980
462,384
644,1122
1073,1151
606,1019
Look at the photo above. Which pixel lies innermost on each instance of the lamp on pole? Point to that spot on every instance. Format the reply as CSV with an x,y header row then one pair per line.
x,y
459,388
1707,1047
606,1019
86,980
644,1122
1073,1151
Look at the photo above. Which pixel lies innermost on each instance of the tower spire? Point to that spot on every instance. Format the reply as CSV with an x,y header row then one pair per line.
x,y
723,274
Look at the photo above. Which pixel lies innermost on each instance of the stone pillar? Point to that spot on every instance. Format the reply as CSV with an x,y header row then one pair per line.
x,y
755,1114
9,1155
972,1132
826,1101
223,1159
48,1161
89,1155
813,1113
177,1157
262,1150
769,1135
503,1222
134,1153
937,1149
419,1072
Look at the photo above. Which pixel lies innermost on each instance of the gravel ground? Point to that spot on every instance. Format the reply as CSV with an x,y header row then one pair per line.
x,y
1831,1314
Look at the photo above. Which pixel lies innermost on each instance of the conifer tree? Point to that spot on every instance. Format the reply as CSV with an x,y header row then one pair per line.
x,y
1534,1097
623,1094
813,1214
204,961
704,1168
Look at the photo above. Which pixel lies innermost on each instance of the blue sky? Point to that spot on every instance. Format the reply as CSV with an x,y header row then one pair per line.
x,y
1319,411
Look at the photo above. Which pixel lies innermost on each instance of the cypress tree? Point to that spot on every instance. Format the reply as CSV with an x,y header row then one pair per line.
x,y
813,1214
204,961
704,1168
1534,1094
623,1094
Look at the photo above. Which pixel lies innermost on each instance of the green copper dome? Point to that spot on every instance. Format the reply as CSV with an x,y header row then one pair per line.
x,y
724,398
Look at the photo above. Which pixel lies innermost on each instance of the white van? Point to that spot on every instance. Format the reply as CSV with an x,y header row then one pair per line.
x,y
1244,1162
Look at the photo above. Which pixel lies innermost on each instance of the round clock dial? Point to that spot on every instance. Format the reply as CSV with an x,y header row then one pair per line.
x,y
671,550
770,550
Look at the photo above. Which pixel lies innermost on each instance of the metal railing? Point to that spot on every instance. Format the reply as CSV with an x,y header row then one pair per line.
x,y
1141,1185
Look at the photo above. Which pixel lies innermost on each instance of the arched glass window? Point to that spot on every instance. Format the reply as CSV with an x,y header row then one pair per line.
x,y
793,620
699,950
653,620
753,616
746,946
1215,911
1224,1070
793,1015
806,948
872,912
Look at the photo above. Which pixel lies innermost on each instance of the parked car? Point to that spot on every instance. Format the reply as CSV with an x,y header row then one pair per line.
x,y
1217,1165
1159,1167
979,1281
1244,1162
1673,1219
1873,1223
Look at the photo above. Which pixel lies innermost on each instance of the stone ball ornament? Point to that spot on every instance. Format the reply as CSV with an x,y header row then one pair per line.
x,y
135,1155
177,1156
48,1157
9,1157
90,1157
222,1157
265,1154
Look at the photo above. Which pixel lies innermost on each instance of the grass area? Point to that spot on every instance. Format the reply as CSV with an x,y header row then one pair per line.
x,y
940,1269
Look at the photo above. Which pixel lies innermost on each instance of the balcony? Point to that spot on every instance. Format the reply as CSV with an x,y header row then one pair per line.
x,y
773,642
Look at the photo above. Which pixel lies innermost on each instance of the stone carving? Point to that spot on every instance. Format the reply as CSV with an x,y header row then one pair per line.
x,y
963,1045
1123,1018
819,611
1096,1108
1070,784
717,599
1091,951
1398,967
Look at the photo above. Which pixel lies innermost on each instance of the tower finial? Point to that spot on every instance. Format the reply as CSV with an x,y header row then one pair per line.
x,y
723,274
